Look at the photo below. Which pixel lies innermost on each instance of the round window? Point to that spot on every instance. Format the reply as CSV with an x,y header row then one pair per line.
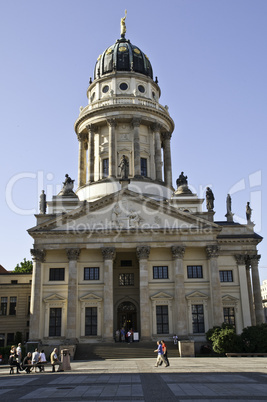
x,y
141,88
123,86
105,89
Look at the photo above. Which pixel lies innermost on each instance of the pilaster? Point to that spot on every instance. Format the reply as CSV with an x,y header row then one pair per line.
x,y
244,293
82,138
91,152
254,259
142,253
166,137
156,130
136,142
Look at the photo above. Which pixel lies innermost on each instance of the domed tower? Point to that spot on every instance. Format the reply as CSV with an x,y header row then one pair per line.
x,y
124,121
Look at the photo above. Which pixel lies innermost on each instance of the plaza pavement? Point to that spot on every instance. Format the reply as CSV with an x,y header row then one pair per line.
x,y
185,380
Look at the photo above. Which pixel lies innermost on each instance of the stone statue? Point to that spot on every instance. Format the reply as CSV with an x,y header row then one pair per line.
x,y
209,199
228,204
68,185
124,165
182,180
42,204
248,212
123,26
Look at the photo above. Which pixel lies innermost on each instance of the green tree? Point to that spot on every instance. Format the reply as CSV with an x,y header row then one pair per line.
x,y
24,267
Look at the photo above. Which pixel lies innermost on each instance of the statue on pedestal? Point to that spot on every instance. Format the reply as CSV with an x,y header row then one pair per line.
x,y
248,212
42,203
209,199
229,215
124,165
68,185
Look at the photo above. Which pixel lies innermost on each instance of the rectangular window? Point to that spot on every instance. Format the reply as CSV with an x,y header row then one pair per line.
x,y
144,167
10,339
55,322
3,306
91,274
90,321
2,340
12,305
57,274
162,319
229,315
14,282
160,273
126,279
226,276
194,271
198,318
105,168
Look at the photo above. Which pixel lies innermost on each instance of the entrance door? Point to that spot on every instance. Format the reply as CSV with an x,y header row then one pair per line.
x,y
127,316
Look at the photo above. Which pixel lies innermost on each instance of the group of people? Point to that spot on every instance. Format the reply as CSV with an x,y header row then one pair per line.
x,y
32,360
162,354
125,335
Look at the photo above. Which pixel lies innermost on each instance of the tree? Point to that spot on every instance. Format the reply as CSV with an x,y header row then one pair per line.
x,y
25,267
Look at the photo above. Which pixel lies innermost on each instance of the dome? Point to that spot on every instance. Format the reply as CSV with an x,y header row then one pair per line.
x,y
123,56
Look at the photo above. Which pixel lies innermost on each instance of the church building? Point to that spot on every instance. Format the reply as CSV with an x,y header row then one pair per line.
x,y
127,249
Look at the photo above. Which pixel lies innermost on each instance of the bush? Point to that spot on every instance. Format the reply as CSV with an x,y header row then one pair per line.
x,y
255,339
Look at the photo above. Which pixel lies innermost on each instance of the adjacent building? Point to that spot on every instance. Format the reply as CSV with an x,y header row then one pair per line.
x,y
127,249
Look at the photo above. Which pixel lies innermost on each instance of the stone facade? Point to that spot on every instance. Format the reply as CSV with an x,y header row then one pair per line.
x,y
127,249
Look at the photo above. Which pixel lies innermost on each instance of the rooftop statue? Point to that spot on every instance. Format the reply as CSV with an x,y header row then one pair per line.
x,y
229,215
248,212
68,185
209,199
123,26
42,204
182,180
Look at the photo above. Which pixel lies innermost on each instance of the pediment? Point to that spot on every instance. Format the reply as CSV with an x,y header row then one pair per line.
x,y
228,298
161,296
125,210
196,295
54,298
90,297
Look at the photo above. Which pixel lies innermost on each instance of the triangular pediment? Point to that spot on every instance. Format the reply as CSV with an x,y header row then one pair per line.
x,y
228,298
125,210
90,297
54,297
161,296
196,295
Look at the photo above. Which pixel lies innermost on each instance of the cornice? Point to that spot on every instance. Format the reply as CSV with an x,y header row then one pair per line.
x,y
122,107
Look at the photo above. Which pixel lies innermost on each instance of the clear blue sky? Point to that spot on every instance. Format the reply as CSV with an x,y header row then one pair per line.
x,y
211,61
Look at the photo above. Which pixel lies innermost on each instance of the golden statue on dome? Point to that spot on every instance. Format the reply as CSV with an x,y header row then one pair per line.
x,y
123,26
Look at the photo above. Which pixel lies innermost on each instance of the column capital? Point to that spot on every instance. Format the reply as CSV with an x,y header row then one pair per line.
x,y
254,258
136,121
82,137
91,128
167,135
241,259
109,253
156,127
112,122
212,251
38,255
177,252
142,252
73,253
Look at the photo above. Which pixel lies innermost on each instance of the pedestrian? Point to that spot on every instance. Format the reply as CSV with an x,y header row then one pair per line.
x,y
122,334
27,361
35,359
159,350
19,355
165,354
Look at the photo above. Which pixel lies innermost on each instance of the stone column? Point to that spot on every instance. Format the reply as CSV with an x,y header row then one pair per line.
x,y
112,147
38,257
243,283
136,142
73,255
145,319
254,259
82,138
91,152
109,254
250,295
180,308
167,158
156,130
215,285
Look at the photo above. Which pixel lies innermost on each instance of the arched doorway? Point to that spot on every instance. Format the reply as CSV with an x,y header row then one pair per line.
x,y
127,316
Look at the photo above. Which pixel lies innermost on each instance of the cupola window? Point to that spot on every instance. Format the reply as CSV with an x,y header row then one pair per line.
x,y
123,86
105,89
141,88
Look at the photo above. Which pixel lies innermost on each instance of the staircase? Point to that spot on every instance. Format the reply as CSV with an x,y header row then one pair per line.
x,y
119,350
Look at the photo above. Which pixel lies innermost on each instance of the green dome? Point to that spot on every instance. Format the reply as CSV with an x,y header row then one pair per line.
x,y
123,56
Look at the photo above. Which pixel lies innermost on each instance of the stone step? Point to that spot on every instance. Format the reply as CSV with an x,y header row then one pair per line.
x,y
134,350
